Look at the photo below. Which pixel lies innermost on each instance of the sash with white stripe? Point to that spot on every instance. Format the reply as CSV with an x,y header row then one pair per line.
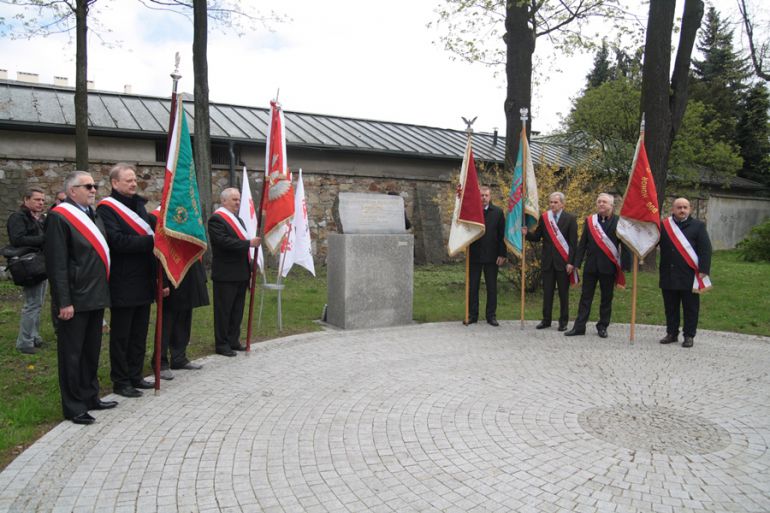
x,y
685,249
607,247
131,218
88,229
234,223
560,243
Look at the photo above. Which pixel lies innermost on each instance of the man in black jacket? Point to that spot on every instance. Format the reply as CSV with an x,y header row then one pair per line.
x,y
132,281
678,281
487,254
230,271
78,266
555,256
603,264
25,230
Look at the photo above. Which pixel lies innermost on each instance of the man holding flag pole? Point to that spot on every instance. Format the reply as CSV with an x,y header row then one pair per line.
x,y
638,226
523,209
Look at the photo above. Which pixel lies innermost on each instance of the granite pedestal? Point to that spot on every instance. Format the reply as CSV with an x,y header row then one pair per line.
x,y
370,280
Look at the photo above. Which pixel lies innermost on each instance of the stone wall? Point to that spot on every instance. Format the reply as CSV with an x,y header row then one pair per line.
x,y
321,189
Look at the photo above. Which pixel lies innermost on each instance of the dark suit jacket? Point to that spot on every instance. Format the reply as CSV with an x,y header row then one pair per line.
x,y
491,245
132,272
192,291
75,270
595,259
551,258
230,254
675,274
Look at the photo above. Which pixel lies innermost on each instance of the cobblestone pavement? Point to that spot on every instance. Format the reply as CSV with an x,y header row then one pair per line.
x,y
435,417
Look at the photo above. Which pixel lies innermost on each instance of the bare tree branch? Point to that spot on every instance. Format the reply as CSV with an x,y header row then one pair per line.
x,y
757,55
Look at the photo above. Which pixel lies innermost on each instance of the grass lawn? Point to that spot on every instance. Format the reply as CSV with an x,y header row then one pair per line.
x,y
29,393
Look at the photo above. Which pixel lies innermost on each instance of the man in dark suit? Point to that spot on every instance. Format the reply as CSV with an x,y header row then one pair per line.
x,y
678,267
230,271
78,266
132,281
603,264
553,264
486,255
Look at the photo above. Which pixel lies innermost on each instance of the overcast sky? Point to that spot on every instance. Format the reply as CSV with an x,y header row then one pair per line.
x,y
357,58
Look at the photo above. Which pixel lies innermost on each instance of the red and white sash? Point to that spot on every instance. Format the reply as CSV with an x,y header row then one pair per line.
x,y
560,243
131,218
234,223
88,229
685,249
607,247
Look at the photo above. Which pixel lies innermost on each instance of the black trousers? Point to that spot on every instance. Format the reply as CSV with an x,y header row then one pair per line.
x,y
551,279
490,281
175,335
690,304
229,299
79,341
128,344
606,288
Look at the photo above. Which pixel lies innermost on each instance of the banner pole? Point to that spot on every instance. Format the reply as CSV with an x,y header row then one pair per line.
x,y
524,197
633,297
251,300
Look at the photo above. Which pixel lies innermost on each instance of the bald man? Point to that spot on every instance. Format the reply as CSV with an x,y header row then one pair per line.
x,y
685,262
230,271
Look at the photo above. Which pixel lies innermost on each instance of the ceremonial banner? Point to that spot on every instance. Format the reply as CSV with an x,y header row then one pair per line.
x,y
521,203
298,249
278,207
639,223
180,236
468,217
248,215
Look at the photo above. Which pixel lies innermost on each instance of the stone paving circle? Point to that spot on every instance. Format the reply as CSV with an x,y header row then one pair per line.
x,y
431,417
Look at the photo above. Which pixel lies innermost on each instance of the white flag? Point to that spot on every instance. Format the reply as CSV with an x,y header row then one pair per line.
x,y
297,248
248,215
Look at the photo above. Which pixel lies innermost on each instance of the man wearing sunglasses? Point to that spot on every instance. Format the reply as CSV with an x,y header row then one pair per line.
x,y
78,266
132,282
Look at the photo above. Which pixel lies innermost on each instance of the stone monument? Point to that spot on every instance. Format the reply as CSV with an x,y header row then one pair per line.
x,y
370,264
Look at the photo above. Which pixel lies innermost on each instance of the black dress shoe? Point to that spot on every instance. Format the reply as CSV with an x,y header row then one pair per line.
x,y
143,385
573,332
493,322
104,405
187,366
602,332
226,352
688,341
239,347
127,391
669,339
563,327
543,325
84,418
471,321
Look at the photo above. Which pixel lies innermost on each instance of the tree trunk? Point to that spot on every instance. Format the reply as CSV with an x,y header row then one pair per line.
x,y
202,139
664,101
520,45
81,85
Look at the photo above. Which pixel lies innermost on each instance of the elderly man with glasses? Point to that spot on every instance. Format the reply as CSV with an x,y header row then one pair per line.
x,y
78,267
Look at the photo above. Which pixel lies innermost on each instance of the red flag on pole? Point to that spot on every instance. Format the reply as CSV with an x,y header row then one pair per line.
x,y
278,202
468,218
639,223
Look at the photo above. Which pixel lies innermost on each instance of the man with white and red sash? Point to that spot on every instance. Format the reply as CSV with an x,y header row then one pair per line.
x,y
604,263
685,262
230,271
132,281
78,266
558,231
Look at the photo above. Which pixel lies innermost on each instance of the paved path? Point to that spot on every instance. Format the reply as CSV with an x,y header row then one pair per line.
x,y
434,417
